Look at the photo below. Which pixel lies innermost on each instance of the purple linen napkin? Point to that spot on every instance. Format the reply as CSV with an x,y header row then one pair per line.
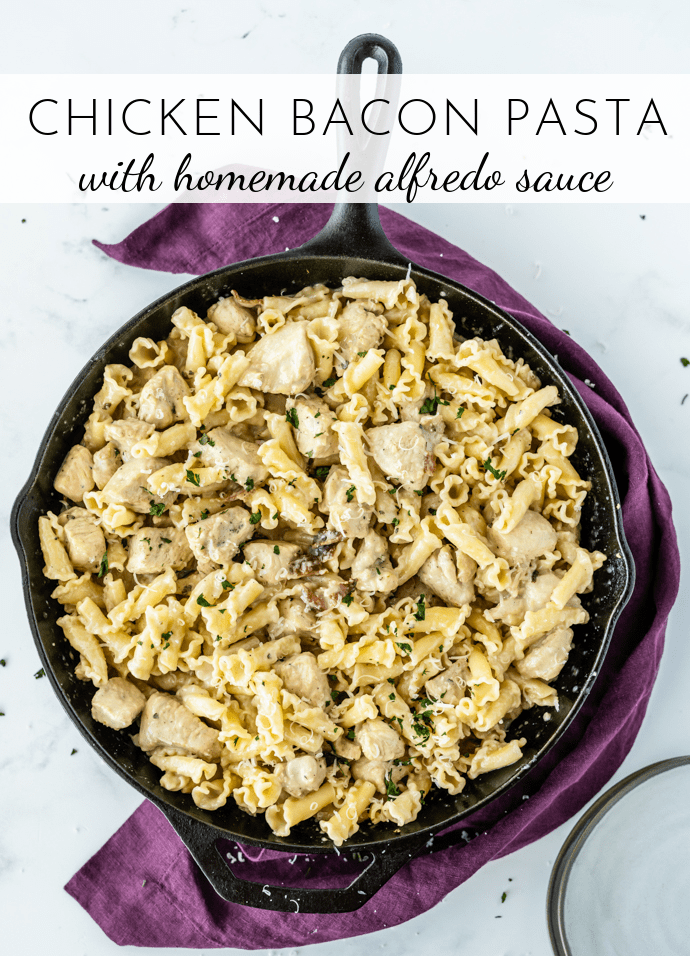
x,y
144,889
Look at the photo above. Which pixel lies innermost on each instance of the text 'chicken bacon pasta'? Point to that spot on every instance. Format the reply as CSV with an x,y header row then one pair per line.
x,y
323,551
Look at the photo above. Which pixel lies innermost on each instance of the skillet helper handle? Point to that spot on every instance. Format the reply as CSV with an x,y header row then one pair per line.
x,y
201,841
355,227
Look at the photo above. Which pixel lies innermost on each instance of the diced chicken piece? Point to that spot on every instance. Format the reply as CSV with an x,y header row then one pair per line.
x,y
313,422
546,658
372,568
271,560
294,619
449,686
238,457
359,330
377,772
530,539
125,433
440,574
345,513
106,461
152,550
302,775
432,425
385,507
302,676
282,362
378,740
160,400
166,722
400,451
219,537
117,703
128,485
75,476
85,540
231,318
349,749
534,596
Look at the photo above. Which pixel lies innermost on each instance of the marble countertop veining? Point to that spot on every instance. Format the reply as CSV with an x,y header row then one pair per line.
x,y
614,276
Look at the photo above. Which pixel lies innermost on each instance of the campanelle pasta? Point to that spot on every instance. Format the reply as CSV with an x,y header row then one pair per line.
x,y
323,551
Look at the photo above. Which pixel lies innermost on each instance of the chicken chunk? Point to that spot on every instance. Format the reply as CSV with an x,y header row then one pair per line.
x,y
239,458
546,658
530,539
282,362
313,422
231,318
106,461
302,676
345,513
378,740
75,476
160,400
126,433
128,485
348,749
117,703
219,537
84,537
534,596
440,574
359,330
376,772
271,560
166,722
372,568
302,775
449,686
400,451
294,619
152,550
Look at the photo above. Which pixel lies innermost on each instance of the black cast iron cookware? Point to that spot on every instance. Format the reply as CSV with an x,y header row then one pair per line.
x,y
352,243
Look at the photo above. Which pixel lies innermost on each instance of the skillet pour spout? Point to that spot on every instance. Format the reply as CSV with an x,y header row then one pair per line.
x,y
352,243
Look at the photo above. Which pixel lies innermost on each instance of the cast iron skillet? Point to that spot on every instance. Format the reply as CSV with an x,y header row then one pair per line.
x,y
352,243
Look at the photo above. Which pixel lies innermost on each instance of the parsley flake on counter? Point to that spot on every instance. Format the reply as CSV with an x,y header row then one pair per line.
x,y
40,674
276,549
3,662
103,569
74,750
685,362
205,440
292,417
487,466
156,509
350,493
193,478
255,517
202,602
420,613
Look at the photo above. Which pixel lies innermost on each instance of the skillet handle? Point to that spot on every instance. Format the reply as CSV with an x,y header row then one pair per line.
x,y
201,841
354,227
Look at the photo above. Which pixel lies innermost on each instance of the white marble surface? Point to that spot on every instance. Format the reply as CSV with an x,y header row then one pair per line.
x,y
617,281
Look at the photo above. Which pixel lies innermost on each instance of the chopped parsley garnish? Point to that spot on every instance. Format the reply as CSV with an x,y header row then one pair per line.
x,y
498,475
227,586
192,478
249,484
202,602
685,362
40,674
395,522
391,387
420,492
292,418
460,411
276,549
350,734
420,613
322,471
430,405
197,454
333,677
432,511
391,697
167,540
361,354
156,510
405,648
103,569
350,493
400,723
317,415
310,454
204,514
166,636
205,440
391,789
232,478
391,680
143,488
329,383
347,600
391,491
255,517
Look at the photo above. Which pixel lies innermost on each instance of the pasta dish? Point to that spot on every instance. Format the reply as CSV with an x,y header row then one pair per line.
x,y
317,553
